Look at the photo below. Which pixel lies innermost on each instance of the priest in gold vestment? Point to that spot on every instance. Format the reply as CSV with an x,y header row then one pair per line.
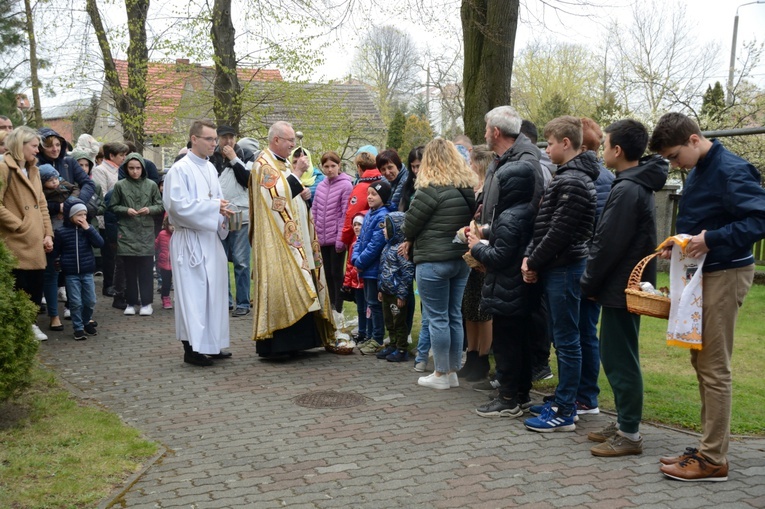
x,y
292,311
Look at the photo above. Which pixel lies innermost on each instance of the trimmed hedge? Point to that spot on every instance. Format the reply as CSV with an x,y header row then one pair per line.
x,y
18,346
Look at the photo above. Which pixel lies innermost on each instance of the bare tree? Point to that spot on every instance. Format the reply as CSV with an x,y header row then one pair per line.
x,y
387,60
658,66
227,91
130,100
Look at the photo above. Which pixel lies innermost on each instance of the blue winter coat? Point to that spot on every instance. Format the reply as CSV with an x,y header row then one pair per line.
x,y
369,245
396,272
75,246
69,169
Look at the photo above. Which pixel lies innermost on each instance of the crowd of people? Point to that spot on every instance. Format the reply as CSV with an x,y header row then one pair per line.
x,y
511,249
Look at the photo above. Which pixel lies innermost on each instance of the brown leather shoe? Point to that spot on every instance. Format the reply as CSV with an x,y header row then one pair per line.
x,y
696,468
671,460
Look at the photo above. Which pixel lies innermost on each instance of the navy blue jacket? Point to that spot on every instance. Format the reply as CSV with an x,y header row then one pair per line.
x,y
396,272
369,245
69,169
75,246
723,195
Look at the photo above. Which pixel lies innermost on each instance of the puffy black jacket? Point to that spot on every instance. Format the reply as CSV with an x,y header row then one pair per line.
x,y
626,233
75,245
567,215
69,169
522,150
504,292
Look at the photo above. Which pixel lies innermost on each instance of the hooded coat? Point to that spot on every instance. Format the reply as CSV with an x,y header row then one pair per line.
x,y
329,207
74,245
357,202
136,233
504,292
68,169
396,272
566,217
626,233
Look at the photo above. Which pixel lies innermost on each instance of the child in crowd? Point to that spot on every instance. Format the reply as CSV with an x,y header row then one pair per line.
x,y
162,249
357,203
395,284
366,259
56,191
353,283
134,200
74,242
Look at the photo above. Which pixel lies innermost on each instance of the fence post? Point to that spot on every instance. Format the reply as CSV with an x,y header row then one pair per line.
x,y
665,208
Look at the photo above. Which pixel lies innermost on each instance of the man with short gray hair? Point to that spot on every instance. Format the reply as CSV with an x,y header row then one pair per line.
x,y
6,124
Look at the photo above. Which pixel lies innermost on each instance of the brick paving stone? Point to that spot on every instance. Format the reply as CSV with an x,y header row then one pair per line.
x,y
236,438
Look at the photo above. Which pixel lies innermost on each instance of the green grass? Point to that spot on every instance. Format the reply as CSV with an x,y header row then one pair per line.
x,y
57,452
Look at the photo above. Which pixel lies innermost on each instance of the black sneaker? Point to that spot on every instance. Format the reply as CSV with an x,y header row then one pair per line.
x,y
487,386
79,335
197,359
90,329
119,304
500,407
541,373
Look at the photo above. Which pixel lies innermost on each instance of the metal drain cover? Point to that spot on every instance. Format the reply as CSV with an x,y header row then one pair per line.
x,y
330,399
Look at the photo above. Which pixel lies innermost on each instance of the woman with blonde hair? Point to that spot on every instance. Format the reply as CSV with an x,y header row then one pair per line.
x,y
24,221
444,202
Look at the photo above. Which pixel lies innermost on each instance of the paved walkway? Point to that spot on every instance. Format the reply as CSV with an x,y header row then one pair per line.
x,y
236,437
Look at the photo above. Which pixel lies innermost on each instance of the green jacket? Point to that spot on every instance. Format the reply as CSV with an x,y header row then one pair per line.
x,y
136,234
433,218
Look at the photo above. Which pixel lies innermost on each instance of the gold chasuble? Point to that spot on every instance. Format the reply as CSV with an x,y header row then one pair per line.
x,y
286,258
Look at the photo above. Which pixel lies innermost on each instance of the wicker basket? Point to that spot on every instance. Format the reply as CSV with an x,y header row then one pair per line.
x,y
339,350
644,303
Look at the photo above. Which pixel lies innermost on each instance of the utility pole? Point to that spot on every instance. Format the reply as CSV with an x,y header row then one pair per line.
x,y
729,100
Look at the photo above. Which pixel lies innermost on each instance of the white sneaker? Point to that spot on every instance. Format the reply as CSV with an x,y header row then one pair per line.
x,y
409,339
67,313
386,341
42,301
453,380
62,293
130,311
39,335
434,382
146,310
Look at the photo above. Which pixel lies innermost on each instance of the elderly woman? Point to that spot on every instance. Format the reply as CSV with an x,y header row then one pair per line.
x,y
444,202
24,221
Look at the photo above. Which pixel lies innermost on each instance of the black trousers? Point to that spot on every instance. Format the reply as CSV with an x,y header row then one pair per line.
x,y
511,342
167,282
334,271
30,281
139,277
108,254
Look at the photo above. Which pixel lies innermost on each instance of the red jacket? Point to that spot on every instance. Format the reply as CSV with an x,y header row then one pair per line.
x,y
357,203
162,247
352,279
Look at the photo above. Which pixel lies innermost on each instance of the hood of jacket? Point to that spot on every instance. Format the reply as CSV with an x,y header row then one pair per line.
x,y
586,162
651,172
516,184
45,133
67,207
394,226
137,157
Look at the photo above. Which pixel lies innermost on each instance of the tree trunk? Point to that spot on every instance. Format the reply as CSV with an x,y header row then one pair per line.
x,y
488,28
228,101
36,85
131,101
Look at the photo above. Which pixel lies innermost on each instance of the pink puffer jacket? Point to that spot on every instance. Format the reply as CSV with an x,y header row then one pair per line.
x,y
329,205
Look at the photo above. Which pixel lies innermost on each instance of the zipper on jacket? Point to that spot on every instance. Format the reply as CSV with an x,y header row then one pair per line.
x,y
77,246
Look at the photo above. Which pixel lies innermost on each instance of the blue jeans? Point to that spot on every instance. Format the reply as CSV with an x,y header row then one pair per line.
x,y
81,292
50,286
375,307
563,294
237,248
361,310
441,285
589,312
423,342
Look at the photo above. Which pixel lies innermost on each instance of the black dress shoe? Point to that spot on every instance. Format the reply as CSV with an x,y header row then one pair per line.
x,y
57,328
197,359
119,304
221,355
109,291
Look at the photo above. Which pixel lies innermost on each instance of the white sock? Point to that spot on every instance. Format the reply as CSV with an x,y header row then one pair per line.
x,y
632,436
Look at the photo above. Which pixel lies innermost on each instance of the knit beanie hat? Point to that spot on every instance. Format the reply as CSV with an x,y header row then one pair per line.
x,y
47,172
382,188
77,207
358,219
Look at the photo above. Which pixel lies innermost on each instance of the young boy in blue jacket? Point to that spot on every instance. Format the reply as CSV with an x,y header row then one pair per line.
x,y
723,207
74,243
366,259
395,285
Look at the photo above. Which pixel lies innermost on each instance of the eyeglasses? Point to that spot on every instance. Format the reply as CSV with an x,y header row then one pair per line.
x,y
208,139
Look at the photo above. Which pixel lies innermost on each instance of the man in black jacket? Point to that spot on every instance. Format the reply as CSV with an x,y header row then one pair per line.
x,y
556,257
625,234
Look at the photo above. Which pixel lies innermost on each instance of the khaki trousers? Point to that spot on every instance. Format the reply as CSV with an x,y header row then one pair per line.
x,y
724,292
